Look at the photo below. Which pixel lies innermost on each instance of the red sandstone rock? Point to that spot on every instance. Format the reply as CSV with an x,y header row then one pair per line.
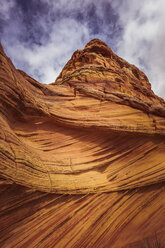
x,y
99,128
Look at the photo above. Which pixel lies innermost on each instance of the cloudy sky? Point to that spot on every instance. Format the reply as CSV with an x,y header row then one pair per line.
x,y
41,35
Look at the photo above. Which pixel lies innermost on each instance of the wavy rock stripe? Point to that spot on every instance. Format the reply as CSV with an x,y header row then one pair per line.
x,y
120,219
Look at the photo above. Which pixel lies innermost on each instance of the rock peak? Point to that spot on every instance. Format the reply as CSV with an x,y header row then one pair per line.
x,y
99,47
99,69
96,42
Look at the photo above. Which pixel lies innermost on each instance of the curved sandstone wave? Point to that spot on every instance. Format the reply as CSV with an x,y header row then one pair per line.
x,y
98,128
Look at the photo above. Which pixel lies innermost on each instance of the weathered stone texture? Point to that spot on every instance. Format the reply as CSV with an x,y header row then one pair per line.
x,y
99,128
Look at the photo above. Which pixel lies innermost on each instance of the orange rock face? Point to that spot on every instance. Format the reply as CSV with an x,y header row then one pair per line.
x,y
97,132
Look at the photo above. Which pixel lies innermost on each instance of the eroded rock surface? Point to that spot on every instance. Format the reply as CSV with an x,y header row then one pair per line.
x,y
99,128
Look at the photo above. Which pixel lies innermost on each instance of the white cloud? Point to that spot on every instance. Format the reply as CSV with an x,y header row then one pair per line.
x,y
62,33
143,38
45,61
5,8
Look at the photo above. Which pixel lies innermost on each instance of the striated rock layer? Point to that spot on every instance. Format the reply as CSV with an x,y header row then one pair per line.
x,y
99,128
118,219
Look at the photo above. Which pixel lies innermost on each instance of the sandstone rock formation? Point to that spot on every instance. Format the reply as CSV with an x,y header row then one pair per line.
x,y
99,128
